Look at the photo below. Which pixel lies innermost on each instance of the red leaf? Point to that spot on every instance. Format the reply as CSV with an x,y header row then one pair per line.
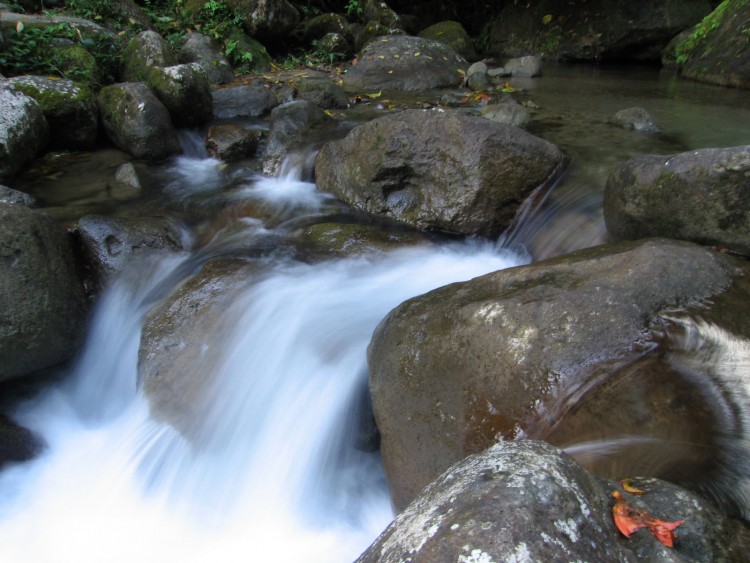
x,y
629,520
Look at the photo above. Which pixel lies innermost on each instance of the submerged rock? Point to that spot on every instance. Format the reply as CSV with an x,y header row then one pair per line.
x,y
456,369
701,195
637,118
437,170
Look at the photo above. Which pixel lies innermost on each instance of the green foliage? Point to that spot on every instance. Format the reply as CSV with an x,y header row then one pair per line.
x,y
36,50
354,8
711,22
98,11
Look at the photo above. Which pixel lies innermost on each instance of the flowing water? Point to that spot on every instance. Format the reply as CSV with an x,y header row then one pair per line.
x,y
274,467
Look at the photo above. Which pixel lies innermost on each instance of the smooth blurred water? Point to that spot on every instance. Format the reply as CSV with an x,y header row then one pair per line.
x,y
272,469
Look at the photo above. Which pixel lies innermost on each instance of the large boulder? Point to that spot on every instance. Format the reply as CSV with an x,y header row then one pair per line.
x,y
454,35
206,52
291,124
23,132
527,501
231,141
402,62
240,102
266,20
437,170
185,91
69,108
594,30
716,50
456,369
110,244
42,306
137,122
146,50
701,196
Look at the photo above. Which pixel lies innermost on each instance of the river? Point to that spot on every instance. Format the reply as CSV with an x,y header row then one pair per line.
x,y
274,470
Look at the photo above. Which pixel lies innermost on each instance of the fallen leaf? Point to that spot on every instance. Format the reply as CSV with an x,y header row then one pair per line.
x,y
629,520
546,19
627,485
19,27
374,96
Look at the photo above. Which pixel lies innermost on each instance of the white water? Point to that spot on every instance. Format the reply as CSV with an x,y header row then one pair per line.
x,y
273,474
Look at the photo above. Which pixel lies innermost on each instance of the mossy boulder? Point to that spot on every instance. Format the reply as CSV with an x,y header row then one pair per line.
x,y
69,108
716,50
321,25
320,90
143,52
185,91
454,35
77,63
24,132
137,122
247,54
701,195
202,49
266,20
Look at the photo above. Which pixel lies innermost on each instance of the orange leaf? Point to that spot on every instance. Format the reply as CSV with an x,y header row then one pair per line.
x,y
629,520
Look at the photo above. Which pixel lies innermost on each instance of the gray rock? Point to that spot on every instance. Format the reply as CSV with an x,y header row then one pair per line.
x,y
291,123
69,108
456,369
17,443
229,141
202,49
437,170
380,12
185,91
637,118
701,196
137,122
42,307
527,501
9,196
23,132
110,244
508,112
322,92
144,51
401,62
454,35
266,20
240,102
526,66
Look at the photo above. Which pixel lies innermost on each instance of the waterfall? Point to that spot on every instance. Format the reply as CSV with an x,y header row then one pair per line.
x,y
274,470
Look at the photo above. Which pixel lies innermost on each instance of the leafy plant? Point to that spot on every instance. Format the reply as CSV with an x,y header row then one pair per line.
x,y
711,22
354,8
33,50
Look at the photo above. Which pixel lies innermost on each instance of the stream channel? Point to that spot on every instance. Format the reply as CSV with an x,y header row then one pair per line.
x,y
273,471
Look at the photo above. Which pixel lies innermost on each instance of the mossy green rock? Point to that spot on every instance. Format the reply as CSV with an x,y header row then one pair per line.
x,y
69,107
318,27
454,35
702,196
248,54
137,122
185,91
78,64
144,52
717,50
